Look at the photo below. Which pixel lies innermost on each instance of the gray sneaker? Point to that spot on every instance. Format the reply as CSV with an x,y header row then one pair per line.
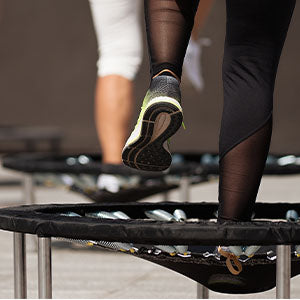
x,y
160,117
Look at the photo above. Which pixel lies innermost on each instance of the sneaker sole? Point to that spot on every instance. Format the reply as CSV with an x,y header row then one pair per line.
x,y
160,121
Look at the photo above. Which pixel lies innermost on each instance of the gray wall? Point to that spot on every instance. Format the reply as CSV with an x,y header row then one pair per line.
x,y
47,76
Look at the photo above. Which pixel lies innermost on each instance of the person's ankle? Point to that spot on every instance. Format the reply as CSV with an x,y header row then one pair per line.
x,y
166,72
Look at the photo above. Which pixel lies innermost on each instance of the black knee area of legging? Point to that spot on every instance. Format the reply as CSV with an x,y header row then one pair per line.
x,y
255,34
248,95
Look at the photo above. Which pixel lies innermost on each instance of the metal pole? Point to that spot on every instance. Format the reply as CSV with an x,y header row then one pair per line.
x,y
202,291
28,187
29,199
20,282
185,189
44,268
283,271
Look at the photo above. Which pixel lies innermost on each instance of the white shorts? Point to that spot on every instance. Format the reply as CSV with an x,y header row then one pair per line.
x,y
118,31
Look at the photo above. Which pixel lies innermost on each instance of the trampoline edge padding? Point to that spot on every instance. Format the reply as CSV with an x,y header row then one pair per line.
x,y
45,220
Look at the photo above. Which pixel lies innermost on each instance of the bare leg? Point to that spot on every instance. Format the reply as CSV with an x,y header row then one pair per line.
x,y
113,110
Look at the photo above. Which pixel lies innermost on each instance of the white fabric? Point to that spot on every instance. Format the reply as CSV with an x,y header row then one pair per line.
x,y
117,27
192,65
113,183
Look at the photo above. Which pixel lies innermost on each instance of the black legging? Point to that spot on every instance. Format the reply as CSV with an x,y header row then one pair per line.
x,y
255,34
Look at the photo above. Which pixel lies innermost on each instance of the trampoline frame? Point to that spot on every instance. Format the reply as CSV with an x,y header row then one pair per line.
x,y
283,270
283,262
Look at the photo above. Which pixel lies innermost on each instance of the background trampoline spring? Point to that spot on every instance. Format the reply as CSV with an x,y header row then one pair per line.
x,y
89,181
70,214
287,160
83,159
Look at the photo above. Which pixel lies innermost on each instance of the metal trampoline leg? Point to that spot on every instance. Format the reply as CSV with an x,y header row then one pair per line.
x,y
20,282
44,268
202,291
28,187
283,271
185,189
28,194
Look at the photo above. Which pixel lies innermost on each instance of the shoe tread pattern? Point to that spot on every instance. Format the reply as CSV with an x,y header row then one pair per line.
x,y
148,155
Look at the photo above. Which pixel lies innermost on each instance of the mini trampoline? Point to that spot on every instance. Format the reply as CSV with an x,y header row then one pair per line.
x,y
79,173
151,239
82,171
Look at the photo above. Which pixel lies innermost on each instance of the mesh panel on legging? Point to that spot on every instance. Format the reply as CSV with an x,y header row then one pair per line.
x,y
255,34
169,24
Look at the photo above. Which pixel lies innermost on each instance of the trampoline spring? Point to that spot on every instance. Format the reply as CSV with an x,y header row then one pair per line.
x,y
67,180
180,215
216,214
101,215
71,161
120,215
48,180
159,215
182,249
70,214
292,215
79,241
250,250
123,247
83,159
89,181
70,180
168,249
286,160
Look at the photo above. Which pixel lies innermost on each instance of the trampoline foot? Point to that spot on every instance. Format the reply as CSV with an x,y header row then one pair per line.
x,y
283,271
202,291
44,268
20,285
